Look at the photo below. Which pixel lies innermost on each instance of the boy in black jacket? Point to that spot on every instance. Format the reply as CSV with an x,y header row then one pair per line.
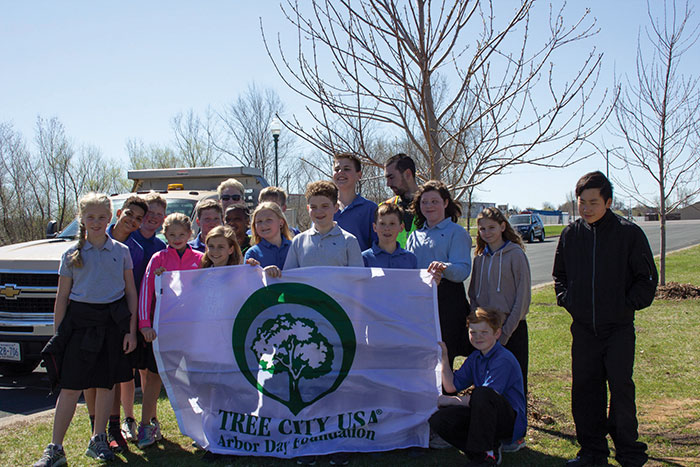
x,y
603,272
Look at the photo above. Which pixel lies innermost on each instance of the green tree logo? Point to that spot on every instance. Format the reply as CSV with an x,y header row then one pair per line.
x,y
286,343
293,346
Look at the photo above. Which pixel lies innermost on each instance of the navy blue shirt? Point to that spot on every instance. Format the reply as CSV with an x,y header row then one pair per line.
x,y
137,255
150,246
357,218
377,257
269,254
500,371
197,243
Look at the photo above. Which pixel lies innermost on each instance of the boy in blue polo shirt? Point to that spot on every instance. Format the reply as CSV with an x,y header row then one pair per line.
x,y
386,252
355,213
495,410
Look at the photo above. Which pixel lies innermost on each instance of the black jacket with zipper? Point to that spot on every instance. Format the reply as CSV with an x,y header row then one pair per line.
x,y
603,272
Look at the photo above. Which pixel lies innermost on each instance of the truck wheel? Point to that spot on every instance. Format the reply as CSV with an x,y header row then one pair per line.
x,y
542,236
531,237
18,368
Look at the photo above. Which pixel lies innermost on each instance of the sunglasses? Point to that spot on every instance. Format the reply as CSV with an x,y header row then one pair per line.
x,y
230,197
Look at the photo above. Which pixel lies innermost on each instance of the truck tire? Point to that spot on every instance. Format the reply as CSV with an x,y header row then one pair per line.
x,y
18,368
531,237
542,236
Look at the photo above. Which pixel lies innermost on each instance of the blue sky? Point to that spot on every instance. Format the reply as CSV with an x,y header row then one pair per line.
x,y
121,70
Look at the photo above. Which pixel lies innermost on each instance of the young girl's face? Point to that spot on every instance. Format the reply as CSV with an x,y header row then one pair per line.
x,y
219,251
491,231
95,218
177,236
268,225
433,207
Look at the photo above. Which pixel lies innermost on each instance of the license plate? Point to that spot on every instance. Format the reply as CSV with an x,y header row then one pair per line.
x,y
10,351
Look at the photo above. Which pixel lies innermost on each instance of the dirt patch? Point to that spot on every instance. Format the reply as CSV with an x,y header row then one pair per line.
x,y
676,291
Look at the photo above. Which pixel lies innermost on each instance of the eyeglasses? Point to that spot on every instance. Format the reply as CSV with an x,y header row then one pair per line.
x,y
230,197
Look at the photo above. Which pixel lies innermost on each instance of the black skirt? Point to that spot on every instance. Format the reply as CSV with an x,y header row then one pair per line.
x,y
87,350
145,359
453,308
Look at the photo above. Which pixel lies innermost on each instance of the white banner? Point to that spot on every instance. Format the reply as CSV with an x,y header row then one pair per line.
x,y
325,359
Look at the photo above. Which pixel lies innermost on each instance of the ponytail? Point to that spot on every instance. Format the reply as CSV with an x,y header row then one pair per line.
x,y
75,259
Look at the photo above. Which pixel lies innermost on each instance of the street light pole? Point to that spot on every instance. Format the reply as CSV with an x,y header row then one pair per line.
x,y
275,129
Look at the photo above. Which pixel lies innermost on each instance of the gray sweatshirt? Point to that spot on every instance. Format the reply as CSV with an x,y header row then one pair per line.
x,y
501,281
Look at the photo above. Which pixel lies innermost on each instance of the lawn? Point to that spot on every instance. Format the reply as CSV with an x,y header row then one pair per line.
x,y
666,374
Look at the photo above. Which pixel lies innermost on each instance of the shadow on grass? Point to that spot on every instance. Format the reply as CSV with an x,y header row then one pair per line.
x,y
161,453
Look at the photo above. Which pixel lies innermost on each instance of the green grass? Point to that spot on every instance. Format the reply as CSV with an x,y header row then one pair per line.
x,y
553,230
666,375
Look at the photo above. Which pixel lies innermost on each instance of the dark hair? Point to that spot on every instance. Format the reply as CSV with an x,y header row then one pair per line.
x,y
494,318
322,188
595,180
453,210
386,209
208,204
226,232
136,200
403,163
348,155
509,234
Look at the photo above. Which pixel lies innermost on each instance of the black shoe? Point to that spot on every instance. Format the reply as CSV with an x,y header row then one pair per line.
x,y
584,461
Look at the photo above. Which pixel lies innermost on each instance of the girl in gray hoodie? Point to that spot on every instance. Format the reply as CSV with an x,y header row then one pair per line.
x,y
500,280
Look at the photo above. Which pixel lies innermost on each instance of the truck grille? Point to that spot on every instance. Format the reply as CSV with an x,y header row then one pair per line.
x,y
27,305
34,280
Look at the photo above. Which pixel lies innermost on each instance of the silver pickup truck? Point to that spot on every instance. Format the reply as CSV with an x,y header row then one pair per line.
x,y
29,271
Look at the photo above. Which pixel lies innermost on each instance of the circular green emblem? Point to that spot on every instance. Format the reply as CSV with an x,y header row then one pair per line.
x,y
294,343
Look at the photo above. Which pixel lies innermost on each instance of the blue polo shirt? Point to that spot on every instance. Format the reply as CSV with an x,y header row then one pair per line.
x,y
137,255
376,257
150,246
500,371
357,218
197,243
269,254
447,242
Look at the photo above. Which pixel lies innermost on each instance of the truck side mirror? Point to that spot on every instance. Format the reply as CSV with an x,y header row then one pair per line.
x,y
51,229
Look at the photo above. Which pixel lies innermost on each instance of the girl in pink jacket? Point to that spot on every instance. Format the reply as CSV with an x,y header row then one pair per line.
x,y
178,256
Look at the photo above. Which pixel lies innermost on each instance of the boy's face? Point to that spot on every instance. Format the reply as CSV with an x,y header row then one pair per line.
x,y
130,218
592,206
237,219
207,220
388,227
344,174
153,220
482,336
321,211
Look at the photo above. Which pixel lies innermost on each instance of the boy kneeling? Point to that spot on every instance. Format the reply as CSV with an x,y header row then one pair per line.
x,y
495,410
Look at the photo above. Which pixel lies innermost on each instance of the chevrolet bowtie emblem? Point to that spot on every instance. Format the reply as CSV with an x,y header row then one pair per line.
x,y
10,291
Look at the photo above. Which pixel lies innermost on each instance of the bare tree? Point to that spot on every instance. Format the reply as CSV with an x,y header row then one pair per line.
x,y
438,73
195,139
657,114
153,156
246,135
93,172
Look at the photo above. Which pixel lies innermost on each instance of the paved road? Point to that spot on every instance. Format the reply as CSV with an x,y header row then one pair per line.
x,y
28,394
679,234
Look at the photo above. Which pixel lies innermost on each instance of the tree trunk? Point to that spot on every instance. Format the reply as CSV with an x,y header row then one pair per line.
x,y
662,221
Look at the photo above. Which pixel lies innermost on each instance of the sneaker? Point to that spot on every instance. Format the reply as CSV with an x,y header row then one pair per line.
x,y
339,458
156,433
117,443
130,429
436,441
53,456
306,460
146,436
98,448
515,446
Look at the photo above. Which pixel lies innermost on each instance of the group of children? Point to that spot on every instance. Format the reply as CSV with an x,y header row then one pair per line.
x,y
97,294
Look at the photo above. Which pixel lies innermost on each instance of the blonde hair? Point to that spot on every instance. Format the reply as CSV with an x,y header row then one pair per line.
x,y
226,232
177,218
91,199
156,198
273,192
508,234
274,207
231,183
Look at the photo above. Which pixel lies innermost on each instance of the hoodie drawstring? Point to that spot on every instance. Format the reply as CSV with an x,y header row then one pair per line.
x,y
500,262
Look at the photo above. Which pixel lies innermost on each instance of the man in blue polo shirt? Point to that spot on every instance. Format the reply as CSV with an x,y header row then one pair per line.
x,y
355,213
386,252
